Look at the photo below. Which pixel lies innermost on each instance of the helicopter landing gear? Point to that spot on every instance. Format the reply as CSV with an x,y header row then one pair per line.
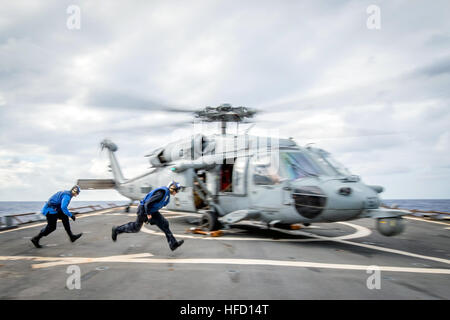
x,y
209,221
127,208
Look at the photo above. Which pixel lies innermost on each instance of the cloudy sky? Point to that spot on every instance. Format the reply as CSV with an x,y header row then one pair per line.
x,y
378,99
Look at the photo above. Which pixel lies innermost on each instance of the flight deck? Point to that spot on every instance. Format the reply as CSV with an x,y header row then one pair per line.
x,y
249,261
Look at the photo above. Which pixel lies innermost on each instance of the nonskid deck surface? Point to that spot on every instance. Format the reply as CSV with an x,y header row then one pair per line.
x,y
324,261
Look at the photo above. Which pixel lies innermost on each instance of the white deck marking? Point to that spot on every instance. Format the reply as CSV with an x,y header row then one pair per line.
x,y
56,261
423,220
145,258
122,214
45,223
361,232
168,216
405,253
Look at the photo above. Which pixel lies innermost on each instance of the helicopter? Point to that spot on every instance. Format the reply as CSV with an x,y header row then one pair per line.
x,y
227,178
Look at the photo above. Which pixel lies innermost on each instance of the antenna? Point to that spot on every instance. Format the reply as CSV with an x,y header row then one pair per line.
x,y
248,129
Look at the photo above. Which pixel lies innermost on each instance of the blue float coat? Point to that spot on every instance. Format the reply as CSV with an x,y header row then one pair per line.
x,y
59,200
152,202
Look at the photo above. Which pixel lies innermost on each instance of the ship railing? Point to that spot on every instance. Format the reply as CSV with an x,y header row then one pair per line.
x,y
435,215
9,221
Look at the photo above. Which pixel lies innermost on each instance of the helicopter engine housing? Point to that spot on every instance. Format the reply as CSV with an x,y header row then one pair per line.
x,y
188,149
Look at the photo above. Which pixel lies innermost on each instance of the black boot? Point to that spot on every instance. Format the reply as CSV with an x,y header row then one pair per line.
x,y
114,234
35,241
74,237
176,245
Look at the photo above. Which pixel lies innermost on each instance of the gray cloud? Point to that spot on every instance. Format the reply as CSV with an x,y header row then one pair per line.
x,y
436,68
377,99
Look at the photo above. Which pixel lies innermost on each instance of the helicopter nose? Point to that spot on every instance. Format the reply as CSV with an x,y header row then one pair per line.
x,y
333,199
347,200
309,201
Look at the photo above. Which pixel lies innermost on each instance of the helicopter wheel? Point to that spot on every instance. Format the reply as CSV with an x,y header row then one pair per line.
x,y
209,221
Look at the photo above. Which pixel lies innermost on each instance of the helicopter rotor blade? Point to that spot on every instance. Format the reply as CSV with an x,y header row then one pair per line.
x,y
115,100
144,128
124,101
180,110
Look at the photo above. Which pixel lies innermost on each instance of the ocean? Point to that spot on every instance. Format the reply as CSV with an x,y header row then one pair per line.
x,y
15,207
441,205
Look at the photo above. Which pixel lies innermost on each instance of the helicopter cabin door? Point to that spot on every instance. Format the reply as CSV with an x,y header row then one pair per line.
x,y
232,183
264,189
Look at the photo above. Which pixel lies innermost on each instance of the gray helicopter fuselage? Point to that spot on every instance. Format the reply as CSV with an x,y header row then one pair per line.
x,y
269,180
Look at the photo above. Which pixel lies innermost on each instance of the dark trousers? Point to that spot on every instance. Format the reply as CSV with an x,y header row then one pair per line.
x,y
157,219
51,224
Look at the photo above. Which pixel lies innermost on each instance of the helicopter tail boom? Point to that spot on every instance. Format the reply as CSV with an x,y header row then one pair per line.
x,y
115,168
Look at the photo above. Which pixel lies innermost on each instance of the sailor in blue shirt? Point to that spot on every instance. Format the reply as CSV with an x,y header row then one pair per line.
x,y
54,208
149,208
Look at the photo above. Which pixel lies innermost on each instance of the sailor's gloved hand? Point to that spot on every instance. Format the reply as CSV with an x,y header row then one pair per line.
x,y
73,217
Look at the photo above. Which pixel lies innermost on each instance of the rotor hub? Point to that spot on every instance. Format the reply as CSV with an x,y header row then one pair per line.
x,y
224,113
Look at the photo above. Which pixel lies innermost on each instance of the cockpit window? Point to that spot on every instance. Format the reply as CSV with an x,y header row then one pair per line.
x,y
328,164
291,165
325,167
295,165
266,171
